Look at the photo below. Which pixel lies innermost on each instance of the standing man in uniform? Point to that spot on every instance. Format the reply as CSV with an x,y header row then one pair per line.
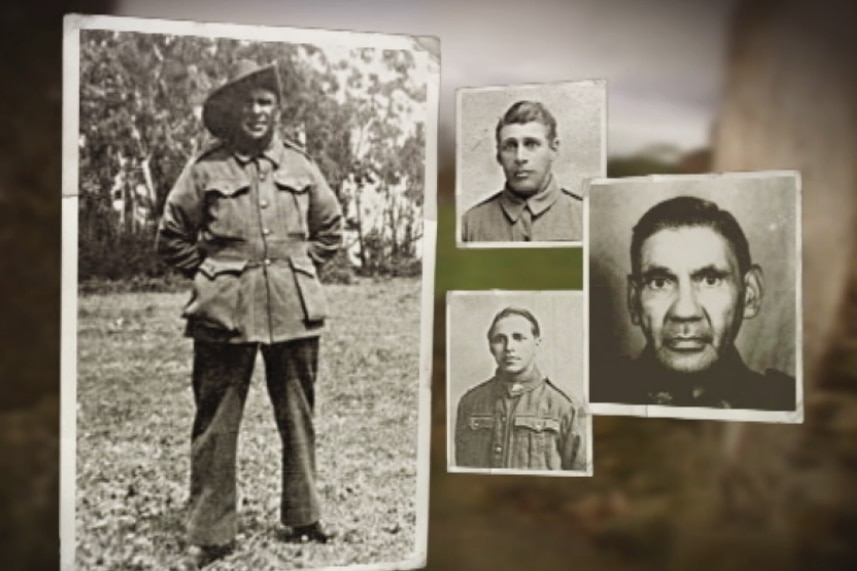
x,y
532,207
251,220
517,419
692,285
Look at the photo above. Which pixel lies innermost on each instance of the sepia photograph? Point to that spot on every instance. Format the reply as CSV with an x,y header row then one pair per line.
x,y
523,154
242,208
694,296
516,400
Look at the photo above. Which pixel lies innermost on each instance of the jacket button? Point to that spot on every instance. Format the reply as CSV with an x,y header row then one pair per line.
x,y
267,261
266,231
498,449
263,203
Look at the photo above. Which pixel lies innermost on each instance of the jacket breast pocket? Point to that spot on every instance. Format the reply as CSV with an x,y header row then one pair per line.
x,y
480,422
309,288
293,202
540,436
216,294
226,208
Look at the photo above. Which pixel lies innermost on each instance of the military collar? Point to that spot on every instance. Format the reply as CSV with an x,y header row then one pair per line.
x,y
273,152
516,387
513,204
715,387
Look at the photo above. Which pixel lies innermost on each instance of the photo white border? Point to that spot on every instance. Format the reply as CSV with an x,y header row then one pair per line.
x,y
72,25
700,413
583,406
459,211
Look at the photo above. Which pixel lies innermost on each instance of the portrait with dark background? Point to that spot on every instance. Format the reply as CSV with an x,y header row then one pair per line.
x,y
766,207
694,86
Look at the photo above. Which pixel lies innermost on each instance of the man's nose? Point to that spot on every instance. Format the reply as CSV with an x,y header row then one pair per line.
x,y
686,304
521,155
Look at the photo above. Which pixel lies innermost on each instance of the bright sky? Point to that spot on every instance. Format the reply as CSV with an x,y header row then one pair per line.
x,y
662,58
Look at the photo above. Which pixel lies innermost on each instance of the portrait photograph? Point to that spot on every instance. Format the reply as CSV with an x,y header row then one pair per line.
x,y
694,289
516,397
523,153
243,206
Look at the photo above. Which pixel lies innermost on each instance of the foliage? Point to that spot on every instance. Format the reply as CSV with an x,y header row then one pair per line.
x,y
133,429
141,97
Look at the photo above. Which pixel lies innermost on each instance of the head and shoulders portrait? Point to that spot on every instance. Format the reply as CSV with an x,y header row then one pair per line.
x,y
523,154
515,383
694,289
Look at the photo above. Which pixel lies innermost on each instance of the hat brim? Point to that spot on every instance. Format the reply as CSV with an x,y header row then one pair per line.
x,y
222,108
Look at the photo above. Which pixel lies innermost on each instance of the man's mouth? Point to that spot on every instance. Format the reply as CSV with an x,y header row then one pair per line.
x,y
687,342
523,174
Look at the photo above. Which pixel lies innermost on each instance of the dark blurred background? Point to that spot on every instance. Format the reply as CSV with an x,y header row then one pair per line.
x,y
693,86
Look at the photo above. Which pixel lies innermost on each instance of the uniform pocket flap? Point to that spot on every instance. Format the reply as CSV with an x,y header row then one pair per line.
x,y
292,182
537,423
481,422
211,267
303,264
227,186
309,288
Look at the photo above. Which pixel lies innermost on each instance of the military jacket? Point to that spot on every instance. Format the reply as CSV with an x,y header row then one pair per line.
x,y
729,384
531,425
252,233
552,214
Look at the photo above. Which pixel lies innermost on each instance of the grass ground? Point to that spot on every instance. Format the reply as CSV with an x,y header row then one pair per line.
x,y
135,409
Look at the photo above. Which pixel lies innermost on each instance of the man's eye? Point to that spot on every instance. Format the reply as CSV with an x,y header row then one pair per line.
x,y
712,281
531,144
658,283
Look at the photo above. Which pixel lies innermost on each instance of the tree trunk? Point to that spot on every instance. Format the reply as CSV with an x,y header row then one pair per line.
x,y
790,102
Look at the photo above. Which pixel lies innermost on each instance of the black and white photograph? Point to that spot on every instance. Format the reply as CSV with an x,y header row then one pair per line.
x,y
243,208
694,288
516,397
523,154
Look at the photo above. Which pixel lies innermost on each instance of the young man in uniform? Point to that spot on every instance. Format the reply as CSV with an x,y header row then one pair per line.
x,y
251,220
532,207
517,419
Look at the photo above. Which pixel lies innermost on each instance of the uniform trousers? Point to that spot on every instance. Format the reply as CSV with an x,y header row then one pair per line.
x,y
221,379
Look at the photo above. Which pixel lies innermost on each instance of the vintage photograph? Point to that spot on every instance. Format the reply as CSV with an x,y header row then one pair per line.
x,y
516,397
523,154
243,208
694,296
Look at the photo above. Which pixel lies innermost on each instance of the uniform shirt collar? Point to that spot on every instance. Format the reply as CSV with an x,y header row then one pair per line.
x,y
514,387
513,204
273,152
682,389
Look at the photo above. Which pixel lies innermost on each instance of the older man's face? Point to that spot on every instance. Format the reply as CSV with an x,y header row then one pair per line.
x,y
526,155
689,298
258,114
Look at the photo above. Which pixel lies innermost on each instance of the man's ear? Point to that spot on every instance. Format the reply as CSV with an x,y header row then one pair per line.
x,y
554,144
754,291
633,300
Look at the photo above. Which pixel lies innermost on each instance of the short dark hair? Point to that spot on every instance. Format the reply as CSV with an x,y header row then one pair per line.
x,y
510,311
527,112
684,211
